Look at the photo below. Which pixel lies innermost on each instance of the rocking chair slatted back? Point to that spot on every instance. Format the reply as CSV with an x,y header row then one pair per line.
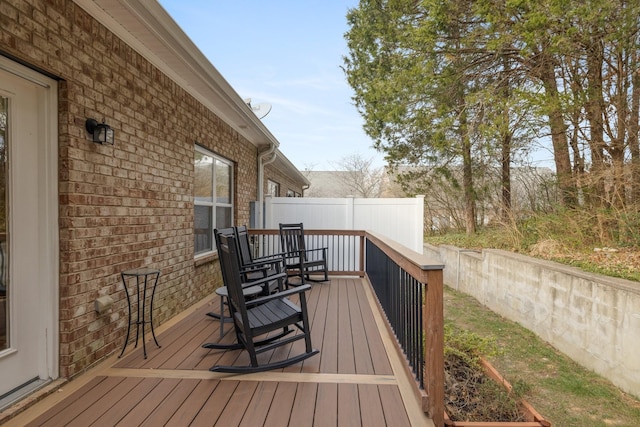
x,y
242,235
257,267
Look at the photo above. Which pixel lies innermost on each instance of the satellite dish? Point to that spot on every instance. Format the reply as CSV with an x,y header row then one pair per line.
x,y
260,110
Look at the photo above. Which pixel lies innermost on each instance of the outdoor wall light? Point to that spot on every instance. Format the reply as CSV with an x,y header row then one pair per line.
x,y
101,132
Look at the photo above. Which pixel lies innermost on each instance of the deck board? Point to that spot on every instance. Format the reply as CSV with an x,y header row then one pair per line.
x,y
362,357
127,403
170,404
319,301
257,411
280,412
304,405
214,406
348,413
351,381
326,413
73,407
236,408
329,354
379,358
149,402
192,406
346,352
373,416
392,406
107,402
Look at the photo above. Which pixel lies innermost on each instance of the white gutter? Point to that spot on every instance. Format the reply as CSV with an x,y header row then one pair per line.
x,y
262,161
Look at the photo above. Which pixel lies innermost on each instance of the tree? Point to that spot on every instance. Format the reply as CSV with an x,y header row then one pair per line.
x,y
419,73
461,84
353,175
386,73
360,176
584,55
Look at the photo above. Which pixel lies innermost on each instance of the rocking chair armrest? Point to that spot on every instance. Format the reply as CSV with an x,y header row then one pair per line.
x,y
306,254
248,285
297,252
289,254
316,250
277,295
262,264
263,280
254,268
268,259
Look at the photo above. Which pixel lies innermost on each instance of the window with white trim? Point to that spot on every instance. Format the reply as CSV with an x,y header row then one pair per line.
x,y
213,198
273,188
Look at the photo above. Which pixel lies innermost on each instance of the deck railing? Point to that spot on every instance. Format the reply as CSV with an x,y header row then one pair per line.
x,y
345,247
409,290
400,296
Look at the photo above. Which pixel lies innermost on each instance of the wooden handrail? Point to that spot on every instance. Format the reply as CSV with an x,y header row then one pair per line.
x,y
428,272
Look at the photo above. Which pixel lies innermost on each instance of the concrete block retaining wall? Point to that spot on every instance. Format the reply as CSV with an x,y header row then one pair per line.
x,y
593,319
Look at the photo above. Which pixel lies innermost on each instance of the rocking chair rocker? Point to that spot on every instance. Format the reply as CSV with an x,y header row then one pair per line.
x,y
260,316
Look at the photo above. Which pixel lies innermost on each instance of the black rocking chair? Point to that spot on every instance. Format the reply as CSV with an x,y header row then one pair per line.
x,y
299,260
256,268
266,286
260,316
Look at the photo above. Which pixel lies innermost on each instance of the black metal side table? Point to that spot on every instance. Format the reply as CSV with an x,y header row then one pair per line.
x,y
145,278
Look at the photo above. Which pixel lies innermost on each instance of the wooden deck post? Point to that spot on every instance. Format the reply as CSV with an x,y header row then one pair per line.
x,y
433,326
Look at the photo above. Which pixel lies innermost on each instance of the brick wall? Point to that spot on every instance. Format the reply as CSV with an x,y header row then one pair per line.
x,y
127,205
285,182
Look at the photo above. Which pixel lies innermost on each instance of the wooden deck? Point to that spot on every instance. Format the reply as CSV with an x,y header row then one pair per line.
x,y
356,380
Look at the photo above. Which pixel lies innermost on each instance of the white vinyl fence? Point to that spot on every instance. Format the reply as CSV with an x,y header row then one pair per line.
x,y
398,219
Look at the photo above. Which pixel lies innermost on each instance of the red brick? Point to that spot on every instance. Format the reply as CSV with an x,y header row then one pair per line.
x,y
131,204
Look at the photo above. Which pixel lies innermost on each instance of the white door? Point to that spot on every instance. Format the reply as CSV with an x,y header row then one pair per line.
x,y
28,229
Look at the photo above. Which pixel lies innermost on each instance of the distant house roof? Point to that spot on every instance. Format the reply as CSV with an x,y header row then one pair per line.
x,y
328,184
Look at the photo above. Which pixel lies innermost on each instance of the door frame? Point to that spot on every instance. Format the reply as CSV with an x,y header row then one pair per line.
x,y
48,250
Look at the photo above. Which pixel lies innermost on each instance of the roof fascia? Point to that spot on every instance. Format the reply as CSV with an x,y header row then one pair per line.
x,y
284,164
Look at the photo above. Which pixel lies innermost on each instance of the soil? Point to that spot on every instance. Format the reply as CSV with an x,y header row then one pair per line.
x,y
470,395
604,257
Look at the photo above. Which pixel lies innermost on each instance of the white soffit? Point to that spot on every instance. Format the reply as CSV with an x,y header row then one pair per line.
x,y
283,164
149,29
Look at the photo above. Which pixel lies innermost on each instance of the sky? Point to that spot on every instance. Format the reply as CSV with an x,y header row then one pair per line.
x,y
286,53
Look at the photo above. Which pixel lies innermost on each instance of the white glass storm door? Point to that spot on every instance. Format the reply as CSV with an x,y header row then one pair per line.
x,y
28,230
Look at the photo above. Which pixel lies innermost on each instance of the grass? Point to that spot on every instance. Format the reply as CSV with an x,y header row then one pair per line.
x,y
600,241
613,269
565,393
624,263
597,241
